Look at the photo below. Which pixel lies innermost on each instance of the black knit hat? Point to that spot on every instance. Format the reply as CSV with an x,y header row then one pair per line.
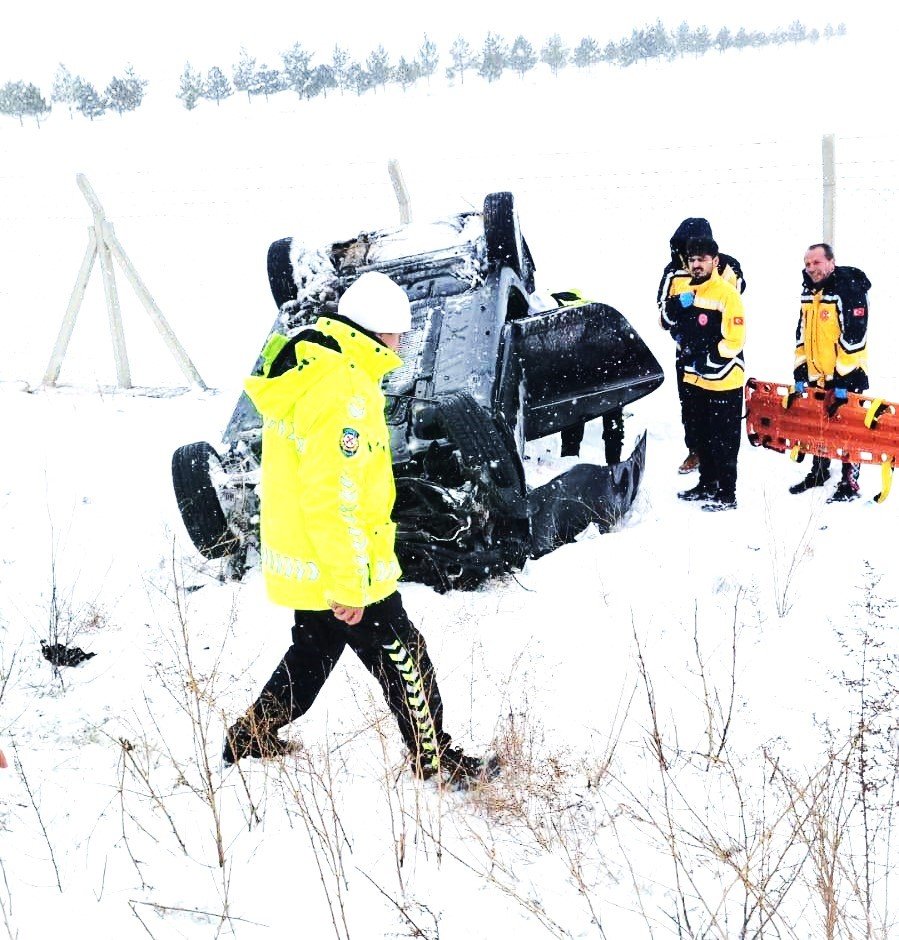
x,y
701,246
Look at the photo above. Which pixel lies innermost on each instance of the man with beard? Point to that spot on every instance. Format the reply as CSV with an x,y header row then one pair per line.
x,y
706,317
676,273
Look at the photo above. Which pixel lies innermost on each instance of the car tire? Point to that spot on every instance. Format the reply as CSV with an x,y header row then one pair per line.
x,y
280,272
198,501
502,233
484,447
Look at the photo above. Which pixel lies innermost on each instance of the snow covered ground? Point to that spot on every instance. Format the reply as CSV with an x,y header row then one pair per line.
x,y
696,709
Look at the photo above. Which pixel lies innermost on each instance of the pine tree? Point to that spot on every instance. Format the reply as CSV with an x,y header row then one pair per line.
x,y
18,99
460,53
610,52
378,66
554,54
321,80
741,40
63,89
87,101
587,53
190,88
660,43
125,93
34,103
296,69
683,38
407,73
243,73
796,32
723,40
267,81
340,62
493,58
522,57
359,80
702,40
216,87
427,59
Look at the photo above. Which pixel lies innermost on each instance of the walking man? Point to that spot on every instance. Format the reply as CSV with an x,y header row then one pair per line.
x,y
327,537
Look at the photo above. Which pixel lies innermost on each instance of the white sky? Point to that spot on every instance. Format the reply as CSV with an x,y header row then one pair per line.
x,y
96,38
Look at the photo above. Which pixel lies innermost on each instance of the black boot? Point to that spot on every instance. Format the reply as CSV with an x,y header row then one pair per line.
x,y
815,477
700,492
250,737
456,768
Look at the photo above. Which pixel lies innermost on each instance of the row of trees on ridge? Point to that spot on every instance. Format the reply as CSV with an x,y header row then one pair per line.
x,y
299,73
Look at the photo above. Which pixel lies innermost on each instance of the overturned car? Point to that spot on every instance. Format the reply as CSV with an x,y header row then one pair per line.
x,y
489,364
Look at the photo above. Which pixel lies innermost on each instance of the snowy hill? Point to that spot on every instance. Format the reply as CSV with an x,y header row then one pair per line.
x,y
695,709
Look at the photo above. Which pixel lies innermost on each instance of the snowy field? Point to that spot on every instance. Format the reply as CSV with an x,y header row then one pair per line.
x,y
696,709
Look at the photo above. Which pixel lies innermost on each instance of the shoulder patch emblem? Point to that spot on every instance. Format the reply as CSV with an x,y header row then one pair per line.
x,y
858,312
349,442
738,321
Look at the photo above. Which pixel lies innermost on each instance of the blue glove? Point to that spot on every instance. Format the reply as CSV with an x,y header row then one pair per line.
x,y
799,387
686,298
840,397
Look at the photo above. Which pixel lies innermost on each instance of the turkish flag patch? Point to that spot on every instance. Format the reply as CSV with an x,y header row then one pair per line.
x,y
858,312
738,321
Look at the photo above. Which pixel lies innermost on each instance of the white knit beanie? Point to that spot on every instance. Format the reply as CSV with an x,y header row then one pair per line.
x,y
376,303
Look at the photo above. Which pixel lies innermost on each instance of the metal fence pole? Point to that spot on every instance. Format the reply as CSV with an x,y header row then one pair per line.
x,y
829,176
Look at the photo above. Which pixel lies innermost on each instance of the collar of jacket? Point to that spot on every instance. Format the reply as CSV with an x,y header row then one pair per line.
x,y
370,355
842,274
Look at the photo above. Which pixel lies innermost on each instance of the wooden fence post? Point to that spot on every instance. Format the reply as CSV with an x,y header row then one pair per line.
x,y
102,241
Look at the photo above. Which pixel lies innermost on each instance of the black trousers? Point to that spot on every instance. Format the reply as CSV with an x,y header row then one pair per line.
x,y
686,394
612,436
391,649
716,421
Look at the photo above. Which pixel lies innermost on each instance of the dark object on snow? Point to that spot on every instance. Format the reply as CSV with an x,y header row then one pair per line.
x,y
57,654
487,365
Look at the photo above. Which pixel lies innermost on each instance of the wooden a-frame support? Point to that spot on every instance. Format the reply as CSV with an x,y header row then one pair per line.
x,y
102,241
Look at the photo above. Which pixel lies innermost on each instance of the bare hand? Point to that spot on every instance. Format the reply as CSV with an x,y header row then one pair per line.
x,y
3,760
349,615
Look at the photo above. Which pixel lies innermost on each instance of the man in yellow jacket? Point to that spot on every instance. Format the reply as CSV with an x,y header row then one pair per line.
x,y
831,349
706,317
327,493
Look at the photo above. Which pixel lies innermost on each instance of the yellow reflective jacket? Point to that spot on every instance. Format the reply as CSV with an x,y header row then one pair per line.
x,y
710,330
327,487
832,333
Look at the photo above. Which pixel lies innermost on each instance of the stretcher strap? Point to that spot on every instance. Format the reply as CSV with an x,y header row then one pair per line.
x,y
886,479
875,410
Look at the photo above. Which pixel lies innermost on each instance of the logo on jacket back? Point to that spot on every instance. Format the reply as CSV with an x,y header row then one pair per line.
x,y
349,442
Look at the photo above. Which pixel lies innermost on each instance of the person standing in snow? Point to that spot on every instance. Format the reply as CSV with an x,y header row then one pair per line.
x,y
831,349
675,275
327,492
706,314
612,421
